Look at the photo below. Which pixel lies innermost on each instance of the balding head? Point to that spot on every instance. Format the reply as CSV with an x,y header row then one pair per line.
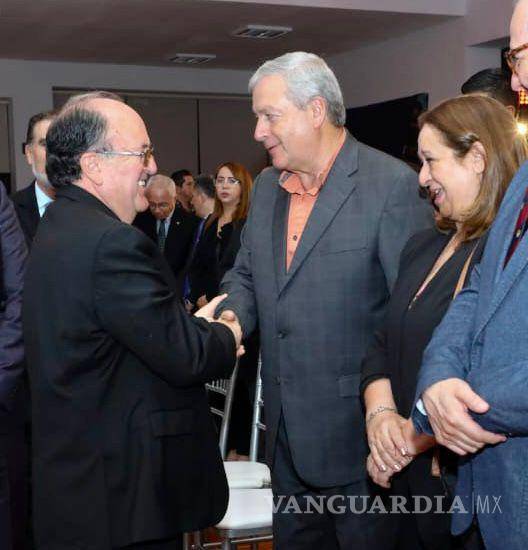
x,y
161,196
101,145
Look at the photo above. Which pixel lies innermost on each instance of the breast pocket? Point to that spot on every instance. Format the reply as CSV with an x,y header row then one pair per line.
x,y
352,236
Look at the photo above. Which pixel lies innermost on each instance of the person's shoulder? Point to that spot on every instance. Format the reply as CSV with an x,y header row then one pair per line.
x,y
25,195
420,241
382,161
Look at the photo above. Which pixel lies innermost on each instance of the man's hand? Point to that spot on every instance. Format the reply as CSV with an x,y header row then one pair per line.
x,y
447,403
230,320
208,310
202,301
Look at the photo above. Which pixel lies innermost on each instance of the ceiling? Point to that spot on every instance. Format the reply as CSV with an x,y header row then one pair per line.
x,y
149,32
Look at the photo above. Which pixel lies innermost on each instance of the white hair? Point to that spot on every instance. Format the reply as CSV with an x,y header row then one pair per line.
x,y
307,76
162,182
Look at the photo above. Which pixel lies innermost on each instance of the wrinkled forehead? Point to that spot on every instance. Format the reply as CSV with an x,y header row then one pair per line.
x,y
124,124
519,25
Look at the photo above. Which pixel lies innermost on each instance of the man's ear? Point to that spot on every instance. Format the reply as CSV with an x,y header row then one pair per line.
x,y
28,153
91,167
318,110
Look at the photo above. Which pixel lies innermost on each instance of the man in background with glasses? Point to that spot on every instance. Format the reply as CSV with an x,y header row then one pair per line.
x,y
124,448
171,228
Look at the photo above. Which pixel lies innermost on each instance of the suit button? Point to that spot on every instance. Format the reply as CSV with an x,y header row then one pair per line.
x,y
281,335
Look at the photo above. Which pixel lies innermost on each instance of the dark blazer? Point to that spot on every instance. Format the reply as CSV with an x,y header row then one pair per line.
x,y
13,253
124,445
317,319
26,207
397,351
213,257
179,241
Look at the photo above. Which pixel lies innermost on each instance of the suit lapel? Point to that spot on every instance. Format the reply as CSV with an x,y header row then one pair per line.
x,y
279,228
337,188
496,280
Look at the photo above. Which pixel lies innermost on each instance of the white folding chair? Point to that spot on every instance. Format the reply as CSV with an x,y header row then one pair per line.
x,y
249,514
251,474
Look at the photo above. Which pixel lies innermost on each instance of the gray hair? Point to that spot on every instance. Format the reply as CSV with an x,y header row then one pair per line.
x,y
307,76
79,99
162,182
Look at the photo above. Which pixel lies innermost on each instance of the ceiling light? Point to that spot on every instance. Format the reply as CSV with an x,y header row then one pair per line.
x,y
265,32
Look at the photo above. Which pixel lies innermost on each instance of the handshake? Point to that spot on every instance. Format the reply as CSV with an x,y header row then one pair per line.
x,y
227,318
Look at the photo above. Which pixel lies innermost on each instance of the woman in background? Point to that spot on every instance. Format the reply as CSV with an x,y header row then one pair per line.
x,y
214,256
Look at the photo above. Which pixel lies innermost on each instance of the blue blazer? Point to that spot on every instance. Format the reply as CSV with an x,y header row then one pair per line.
x,y
483,339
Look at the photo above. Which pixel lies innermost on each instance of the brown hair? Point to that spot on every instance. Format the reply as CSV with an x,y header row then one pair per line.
x,y
465,120
240,172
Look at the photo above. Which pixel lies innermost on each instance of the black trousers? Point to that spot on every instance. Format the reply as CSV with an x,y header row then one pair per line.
x,y
300,522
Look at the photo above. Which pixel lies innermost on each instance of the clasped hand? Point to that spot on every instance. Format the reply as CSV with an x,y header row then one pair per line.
x,y
393,444
227,318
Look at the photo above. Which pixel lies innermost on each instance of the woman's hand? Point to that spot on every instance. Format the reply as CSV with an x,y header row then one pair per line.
x,y
383,479
388,446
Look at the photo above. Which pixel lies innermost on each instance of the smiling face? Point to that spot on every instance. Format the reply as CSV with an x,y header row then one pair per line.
x,y
227,187
453,183
119,181
287,132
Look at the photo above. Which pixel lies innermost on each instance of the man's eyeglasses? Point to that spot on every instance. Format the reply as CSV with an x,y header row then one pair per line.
x,y
512,59
230,181
146,155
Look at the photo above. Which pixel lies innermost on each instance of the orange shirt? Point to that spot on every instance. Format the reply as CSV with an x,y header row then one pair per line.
x,y
302,202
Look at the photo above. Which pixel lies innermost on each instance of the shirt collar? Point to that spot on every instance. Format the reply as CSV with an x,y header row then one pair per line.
x,y
42,199
294,184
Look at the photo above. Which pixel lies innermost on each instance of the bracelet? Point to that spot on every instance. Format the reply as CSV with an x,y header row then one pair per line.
x,y
379,410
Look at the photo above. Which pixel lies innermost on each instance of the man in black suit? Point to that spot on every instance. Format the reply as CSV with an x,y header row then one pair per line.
x,y
124,447
32,201
172,228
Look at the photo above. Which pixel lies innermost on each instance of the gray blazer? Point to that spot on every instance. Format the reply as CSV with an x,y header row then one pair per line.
x,y
484,339
317,319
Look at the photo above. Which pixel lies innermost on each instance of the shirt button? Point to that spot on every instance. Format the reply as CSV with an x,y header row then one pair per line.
x,y
281,335
295,237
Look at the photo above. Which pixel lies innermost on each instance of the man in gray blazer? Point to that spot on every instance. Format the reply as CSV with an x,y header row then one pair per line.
x,y
319,256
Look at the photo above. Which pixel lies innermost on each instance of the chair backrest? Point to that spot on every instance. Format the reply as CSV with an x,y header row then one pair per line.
x,y
257,424
226,389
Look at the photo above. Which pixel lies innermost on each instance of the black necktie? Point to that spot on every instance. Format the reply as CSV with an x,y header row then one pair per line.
x,y
162,235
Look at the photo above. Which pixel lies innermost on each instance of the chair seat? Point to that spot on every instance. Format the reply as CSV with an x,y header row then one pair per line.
x,y
248,509
247,475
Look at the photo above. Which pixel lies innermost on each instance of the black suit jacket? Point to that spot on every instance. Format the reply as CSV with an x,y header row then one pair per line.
x,y
26,207
124,446
179,241
397,351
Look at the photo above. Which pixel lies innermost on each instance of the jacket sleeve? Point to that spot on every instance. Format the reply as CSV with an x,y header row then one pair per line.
x,y
137,307
447,355
404,214
13,258
238,281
